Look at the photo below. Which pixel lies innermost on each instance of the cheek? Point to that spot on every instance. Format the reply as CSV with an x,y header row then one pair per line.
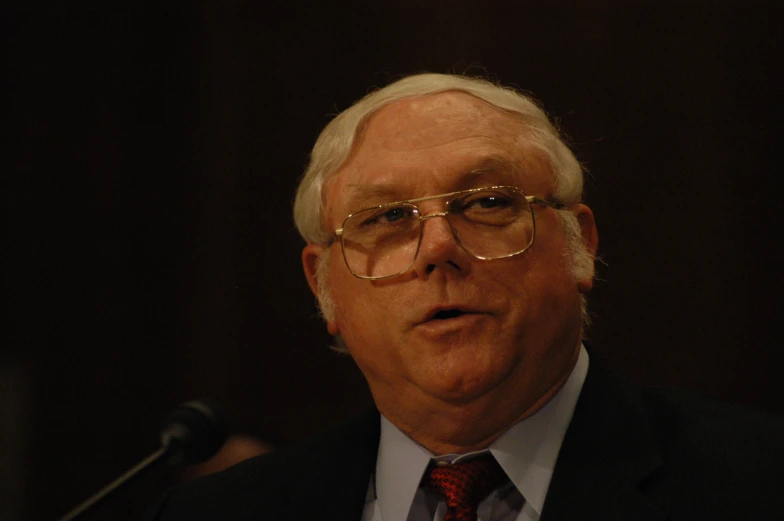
x,y
539,286
343,290
555,291
360,309
368,319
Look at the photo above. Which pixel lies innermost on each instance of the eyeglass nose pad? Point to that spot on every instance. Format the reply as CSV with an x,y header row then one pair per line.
x,y
437,214
445,215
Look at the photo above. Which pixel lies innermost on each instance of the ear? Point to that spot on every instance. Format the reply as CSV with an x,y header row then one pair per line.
x,y
590,237
310,257
311,254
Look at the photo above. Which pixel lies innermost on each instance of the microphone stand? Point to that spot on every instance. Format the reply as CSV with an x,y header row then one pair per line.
x,y
117,483
193,433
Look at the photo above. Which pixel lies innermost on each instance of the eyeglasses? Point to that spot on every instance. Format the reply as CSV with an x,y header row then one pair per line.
x,y
489,223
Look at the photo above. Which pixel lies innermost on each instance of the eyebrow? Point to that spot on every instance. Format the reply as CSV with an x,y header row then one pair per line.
x,y
365,195
487,167
359,191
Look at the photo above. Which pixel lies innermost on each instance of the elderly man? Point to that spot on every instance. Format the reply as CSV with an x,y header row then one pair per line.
x,y
451,256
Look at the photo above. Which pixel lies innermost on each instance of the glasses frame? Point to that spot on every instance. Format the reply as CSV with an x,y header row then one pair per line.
x,y
531,199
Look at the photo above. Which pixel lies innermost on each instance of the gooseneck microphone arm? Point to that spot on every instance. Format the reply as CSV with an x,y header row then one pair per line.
x,y
191,434
96,498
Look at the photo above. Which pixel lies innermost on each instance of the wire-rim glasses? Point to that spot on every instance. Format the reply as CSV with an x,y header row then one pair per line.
x,y
489,223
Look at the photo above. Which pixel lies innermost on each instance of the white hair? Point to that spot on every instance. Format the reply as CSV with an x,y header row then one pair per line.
x,y
334,146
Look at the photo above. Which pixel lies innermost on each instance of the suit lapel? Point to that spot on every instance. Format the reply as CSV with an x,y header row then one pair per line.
x,y
335,483
608,451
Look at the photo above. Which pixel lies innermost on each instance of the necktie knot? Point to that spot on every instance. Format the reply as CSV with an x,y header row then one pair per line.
x,y
464,485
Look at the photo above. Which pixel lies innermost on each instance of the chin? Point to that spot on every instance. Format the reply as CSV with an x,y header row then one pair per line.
x,y
460,386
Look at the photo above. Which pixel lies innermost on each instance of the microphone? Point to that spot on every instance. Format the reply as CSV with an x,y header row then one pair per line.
x,y
193,433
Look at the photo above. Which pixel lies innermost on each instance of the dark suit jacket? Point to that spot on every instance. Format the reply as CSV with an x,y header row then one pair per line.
x,y
629,454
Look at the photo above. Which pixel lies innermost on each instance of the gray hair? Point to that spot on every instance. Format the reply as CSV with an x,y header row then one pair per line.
x,y
334,146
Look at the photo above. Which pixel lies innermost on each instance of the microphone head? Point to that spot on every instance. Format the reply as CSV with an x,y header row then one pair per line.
x,y
193,433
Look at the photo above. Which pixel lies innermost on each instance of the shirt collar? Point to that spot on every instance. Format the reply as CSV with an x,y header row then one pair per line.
x,y
527,452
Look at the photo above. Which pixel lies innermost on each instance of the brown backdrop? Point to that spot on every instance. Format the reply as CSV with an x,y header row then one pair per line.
x,y
154,150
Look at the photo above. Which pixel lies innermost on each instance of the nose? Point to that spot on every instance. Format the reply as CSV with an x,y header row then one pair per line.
x,y
439,248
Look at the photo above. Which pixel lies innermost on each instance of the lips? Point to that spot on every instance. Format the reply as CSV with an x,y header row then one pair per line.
x,y
445,313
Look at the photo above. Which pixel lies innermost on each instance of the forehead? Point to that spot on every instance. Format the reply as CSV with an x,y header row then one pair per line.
x,y
434,144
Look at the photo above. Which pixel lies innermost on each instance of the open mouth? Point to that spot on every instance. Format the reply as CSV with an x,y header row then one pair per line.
x,y
445,314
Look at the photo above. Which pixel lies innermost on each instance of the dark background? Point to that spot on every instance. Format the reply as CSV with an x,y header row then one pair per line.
x,y
154,149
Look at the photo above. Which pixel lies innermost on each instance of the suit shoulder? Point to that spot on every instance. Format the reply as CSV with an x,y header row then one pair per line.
x,y
715,450
229,494
683,416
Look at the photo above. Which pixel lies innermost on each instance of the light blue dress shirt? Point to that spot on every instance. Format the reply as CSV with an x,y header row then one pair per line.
x,y
527,452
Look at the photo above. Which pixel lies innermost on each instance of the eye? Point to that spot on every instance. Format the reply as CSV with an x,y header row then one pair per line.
x,y
491,201
392,215
483,201
384,216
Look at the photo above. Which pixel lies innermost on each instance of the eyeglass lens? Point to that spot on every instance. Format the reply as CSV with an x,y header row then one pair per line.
x,y
489,224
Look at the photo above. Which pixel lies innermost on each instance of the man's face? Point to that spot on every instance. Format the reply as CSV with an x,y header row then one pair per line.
x,y
517,333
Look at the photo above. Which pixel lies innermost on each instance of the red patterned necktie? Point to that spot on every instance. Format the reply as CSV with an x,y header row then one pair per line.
x,y
464,485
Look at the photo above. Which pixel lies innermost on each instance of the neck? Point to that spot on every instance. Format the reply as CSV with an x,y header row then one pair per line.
x,y
449,428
